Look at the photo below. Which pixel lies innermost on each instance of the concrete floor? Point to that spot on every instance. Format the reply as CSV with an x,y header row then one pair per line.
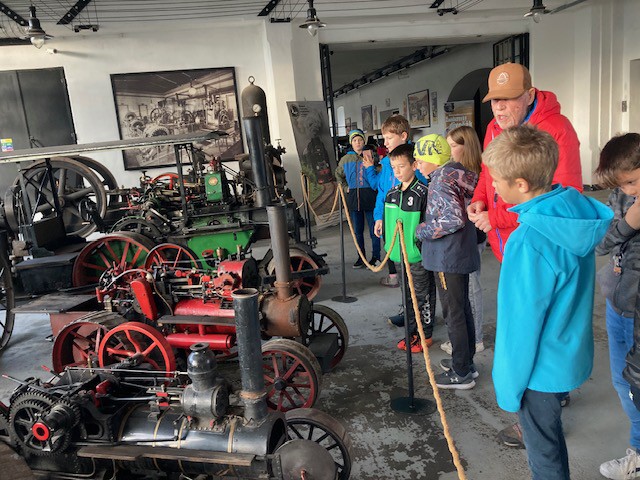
x,y
389,445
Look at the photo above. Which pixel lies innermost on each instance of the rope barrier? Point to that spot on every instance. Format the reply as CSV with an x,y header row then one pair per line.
x,y
399,232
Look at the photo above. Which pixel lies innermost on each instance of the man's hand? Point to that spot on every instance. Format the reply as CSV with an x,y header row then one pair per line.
x,y
633,215
474,209
481,221
377,228
367,159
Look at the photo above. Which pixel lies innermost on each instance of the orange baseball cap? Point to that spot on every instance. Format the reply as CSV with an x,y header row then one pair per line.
x,y
509,80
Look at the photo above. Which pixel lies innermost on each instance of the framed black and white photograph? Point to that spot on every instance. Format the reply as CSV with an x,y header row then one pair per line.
x,y
367,118
151,104
419,111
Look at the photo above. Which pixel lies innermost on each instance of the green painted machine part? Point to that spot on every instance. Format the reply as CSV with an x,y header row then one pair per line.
x,y
228,241
213,186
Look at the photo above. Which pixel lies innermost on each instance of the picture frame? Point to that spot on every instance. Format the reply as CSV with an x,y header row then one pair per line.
x,y
150,104
384,114
347,124
367,118
419,109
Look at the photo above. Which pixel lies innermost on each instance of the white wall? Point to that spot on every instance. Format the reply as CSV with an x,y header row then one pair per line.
x,y
438,75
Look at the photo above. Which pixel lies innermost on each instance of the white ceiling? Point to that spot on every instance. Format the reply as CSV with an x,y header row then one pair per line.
x,y
349,60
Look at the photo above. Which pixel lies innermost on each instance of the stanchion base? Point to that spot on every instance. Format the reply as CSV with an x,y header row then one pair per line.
x,y
419,406
344,299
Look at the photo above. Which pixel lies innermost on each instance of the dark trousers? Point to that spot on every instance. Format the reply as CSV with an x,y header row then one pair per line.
x,y
425,287
453,289
357,219
543,436
392,267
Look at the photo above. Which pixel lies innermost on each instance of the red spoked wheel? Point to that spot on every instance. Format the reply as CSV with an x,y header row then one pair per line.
x,y
326,320
172,256
168,180
308,285
139,343
292,375
76,345
120,251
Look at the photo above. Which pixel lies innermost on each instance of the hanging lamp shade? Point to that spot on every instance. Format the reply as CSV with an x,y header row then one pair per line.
x,y
537,10
34,31
312,24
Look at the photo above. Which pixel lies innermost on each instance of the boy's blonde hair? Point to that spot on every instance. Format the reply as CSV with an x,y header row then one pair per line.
x,y
523,152
396,124
466,136
620,154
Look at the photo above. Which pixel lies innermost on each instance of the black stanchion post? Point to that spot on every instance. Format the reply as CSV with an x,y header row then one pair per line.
x,y
409,404
343,298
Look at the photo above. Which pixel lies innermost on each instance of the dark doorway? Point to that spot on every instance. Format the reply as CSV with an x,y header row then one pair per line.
x,y
35,112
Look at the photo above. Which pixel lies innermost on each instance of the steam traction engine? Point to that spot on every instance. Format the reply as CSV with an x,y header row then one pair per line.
x,y
117,423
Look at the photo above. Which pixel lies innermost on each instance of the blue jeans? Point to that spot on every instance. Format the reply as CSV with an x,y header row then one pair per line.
x,y
357,219
543,437
620,332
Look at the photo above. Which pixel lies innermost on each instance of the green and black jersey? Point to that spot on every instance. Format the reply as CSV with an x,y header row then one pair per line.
x,y
409,206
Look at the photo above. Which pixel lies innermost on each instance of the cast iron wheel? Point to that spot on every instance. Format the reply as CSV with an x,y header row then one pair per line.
x,y
317,426
140,226
78,189
108,180
119,251
172,257
300,260
292,379
5,436
32,435
76,345
7,302
327,320
138,342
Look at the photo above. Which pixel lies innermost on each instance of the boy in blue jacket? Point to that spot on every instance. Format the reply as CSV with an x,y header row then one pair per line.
x,y
361,198
544,333
395,131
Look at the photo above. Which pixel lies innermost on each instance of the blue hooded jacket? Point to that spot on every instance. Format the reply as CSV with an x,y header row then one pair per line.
x,y
544,333
383,181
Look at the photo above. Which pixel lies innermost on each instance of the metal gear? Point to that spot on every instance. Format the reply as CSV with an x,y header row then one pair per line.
x,y
4,429
30,433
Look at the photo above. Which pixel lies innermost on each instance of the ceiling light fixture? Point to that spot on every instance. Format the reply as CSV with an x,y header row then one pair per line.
x,y
34,31
537,10
312,24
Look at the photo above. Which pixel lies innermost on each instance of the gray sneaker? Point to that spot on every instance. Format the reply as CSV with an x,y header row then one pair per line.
x,y
446,363
451,380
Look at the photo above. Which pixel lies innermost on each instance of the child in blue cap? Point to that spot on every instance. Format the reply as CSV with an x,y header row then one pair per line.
x,y
361,198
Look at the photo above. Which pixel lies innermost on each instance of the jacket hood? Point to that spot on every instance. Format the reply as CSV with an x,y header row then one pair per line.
x,y
567,218
546,105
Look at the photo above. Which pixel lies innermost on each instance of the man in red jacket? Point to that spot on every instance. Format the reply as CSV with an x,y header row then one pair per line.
x,y
514,102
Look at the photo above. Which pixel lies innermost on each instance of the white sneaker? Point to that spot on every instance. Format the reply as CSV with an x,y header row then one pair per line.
x,y
624,468
446,346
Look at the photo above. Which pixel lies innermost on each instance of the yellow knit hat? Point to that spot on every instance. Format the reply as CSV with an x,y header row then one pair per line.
x,y
432,148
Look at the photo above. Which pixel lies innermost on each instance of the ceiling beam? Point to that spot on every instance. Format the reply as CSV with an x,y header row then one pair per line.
x,y
13,15
73,12
268,8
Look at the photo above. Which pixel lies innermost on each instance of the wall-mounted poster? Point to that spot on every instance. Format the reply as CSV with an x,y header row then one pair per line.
x,y
367,118
384,114
310,122
418,105
434,107
151,104
457,114
347,124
